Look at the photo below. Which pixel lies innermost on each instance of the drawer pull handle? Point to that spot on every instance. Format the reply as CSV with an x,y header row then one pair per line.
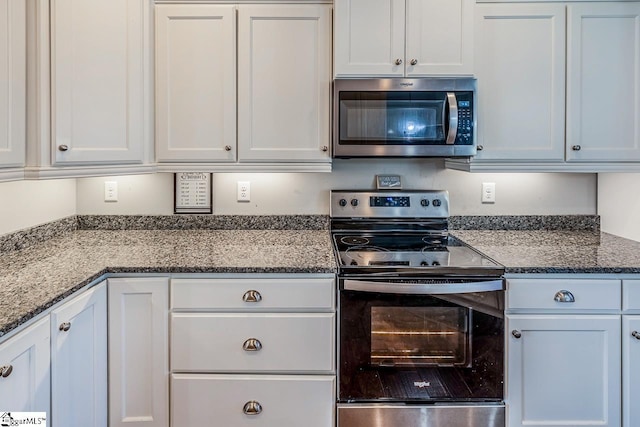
x,y
636,335
252,408
64,327
564,296
252,344
5,371
516,334
252,296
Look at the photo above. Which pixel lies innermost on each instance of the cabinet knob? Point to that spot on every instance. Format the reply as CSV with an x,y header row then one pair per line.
x,y
252,408
516,334
398,61
576,147
63,147
5,371
252,344
325,148
480,148
64,327
252,296
636,335
227,148
564,296
413,62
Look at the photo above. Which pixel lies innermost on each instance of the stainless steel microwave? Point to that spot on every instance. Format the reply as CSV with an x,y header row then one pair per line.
x,y
426,117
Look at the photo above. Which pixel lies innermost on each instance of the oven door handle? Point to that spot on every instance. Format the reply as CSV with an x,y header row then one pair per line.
x,y
422,288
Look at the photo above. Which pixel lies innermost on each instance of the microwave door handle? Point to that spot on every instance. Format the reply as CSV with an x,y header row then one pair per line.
x,y
453,117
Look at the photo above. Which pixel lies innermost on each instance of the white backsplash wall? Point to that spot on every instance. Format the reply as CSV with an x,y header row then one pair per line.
x,y
26,204
308,193
619,204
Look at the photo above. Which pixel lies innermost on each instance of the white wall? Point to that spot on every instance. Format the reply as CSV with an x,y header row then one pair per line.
x,y
619,204
26,204
307,193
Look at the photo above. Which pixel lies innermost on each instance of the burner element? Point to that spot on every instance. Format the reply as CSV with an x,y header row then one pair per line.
x,y
354,240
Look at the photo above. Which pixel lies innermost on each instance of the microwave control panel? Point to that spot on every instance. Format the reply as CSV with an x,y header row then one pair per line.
x,y
465,118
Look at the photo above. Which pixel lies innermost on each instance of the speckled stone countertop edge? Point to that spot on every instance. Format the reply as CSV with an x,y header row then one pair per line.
x,y
526,222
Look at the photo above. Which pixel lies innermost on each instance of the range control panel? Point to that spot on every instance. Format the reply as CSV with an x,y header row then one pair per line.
x,y
390,204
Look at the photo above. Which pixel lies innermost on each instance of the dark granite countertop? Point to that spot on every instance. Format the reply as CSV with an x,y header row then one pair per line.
x,y
36,277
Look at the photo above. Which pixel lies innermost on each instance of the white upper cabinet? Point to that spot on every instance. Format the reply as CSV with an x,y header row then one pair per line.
x,y
603,83
12,86
196,83
520,65
91,104
284,82
395,38
280,90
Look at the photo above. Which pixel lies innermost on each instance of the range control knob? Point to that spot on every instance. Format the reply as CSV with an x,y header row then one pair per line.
x,y
436,202
354,202
342,202
436,263
424,263
424,202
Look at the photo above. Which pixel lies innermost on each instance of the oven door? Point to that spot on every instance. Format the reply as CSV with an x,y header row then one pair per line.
x,y
418,341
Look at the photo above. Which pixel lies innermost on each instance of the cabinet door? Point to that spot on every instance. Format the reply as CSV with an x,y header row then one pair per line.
x,y
79,360
369,38
439,37
13,82
195,83
563,370
603,88
284,82
99,78
520,65
27,387
138,352
630,370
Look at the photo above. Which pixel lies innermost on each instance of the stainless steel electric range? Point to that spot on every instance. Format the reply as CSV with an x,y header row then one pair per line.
x,y
421,315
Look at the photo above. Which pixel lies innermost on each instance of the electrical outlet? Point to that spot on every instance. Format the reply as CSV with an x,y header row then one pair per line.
x,y
244,191
488,192
110,191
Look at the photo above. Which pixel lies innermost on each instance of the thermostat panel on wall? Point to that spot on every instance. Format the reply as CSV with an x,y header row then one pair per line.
x,y
193,193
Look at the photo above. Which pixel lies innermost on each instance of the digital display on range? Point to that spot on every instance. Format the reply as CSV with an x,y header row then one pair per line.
x,y
389,202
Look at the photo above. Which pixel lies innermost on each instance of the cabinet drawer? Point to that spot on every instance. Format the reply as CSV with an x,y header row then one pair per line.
x,y
540,294
285,401
631,295
253,294
287,342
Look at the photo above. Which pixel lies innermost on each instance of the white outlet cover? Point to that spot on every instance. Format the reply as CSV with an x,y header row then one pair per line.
x,y
110,191
488,192
244,191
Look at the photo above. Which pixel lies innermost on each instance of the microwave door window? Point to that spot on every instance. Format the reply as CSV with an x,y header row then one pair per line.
x,y
391,121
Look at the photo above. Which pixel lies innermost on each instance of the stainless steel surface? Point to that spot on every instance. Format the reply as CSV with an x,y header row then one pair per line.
x,y
453,117
413,62
252,408
564,296
402,150
576,147
636,335
227,147
252,344
369,415
516,334
441,288
362,208
6,370
398,61
252,296
63,147
65,326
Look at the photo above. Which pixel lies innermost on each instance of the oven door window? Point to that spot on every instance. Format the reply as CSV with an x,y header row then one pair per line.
x,y
392,118
423,348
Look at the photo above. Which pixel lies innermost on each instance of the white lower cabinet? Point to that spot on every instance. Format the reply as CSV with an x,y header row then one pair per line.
x,y
631,353
79,360
253,350
138,352
250,400
24,370
564,352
